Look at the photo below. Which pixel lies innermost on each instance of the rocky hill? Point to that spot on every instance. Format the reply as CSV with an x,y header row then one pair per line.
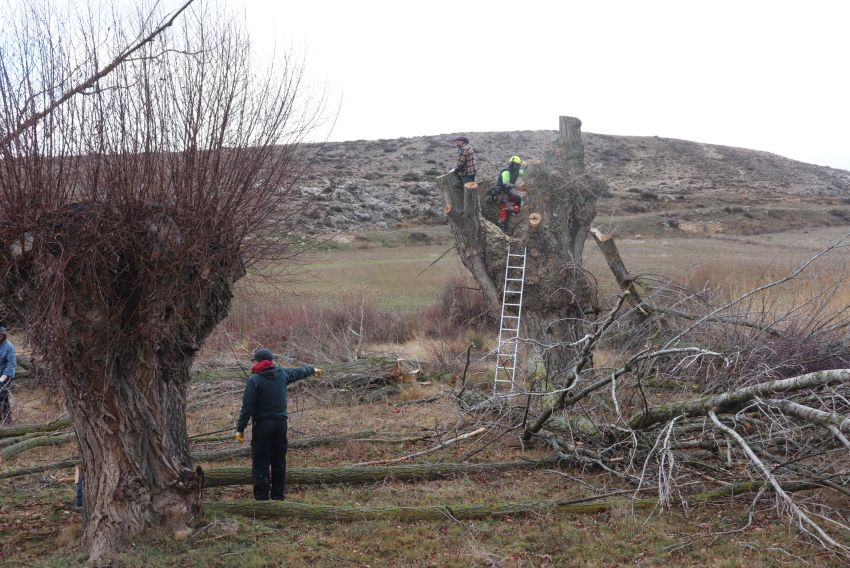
x,y
656,184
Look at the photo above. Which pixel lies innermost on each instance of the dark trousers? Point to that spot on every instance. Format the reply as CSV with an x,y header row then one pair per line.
x,y
268,449
5,406
466,179
78,501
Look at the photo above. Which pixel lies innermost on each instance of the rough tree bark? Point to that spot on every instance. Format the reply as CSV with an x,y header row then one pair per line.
x,y
125,372
560,197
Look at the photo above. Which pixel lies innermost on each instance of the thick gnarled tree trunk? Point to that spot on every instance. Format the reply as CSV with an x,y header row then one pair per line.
x,y
128,341
129,415
552,227
135,463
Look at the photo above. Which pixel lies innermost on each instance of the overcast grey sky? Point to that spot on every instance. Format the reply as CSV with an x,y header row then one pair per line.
x,y
764,75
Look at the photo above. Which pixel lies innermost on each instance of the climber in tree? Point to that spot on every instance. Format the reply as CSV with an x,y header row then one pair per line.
x,y
465,167
505,191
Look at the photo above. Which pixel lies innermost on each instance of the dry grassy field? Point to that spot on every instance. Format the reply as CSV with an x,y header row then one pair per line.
x,y
383,282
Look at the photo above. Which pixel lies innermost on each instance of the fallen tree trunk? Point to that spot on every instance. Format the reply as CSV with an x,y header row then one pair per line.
x,y
35,442
6,442
224,476
18,472
735,400
369,436
586,505
14,431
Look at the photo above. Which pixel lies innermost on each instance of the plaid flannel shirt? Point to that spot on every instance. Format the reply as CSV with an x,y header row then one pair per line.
x,y
465,161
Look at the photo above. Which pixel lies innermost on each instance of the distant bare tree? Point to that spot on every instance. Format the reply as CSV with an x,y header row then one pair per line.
x,y
127,212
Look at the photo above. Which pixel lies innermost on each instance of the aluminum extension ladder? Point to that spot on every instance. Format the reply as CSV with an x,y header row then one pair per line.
x,y
508,347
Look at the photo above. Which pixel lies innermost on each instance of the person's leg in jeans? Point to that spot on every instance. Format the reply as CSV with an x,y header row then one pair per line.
x,y
5,407
279,460
261,455
78,502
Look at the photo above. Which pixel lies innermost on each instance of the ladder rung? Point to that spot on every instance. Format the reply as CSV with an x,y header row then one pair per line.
x,y
517,267
507,304
514,279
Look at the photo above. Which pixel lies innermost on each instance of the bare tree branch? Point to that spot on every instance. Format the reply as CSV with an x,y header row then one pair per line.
x,y
91,81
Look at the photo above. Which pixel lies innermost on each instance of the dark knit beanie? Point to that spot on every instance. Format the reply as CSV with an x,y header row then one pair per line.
x,y
263,354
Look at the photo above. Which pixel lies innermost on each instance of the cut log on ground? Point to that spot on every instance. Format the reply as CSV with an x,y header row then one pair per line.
x,y
14,431
6,442
586,505
24,445
224,476
21,471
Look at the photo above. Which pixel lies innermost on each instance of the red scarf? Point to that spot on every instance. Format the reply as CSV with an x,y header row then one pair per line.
x,y
261,366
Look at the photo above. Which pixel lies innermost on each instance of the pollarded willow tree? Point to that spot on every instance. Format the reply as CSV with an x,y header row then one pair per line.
x,y
135,189
552,227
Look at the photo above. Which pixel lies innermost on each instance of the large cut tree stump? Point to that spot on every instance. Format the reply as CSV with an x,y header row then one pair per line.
x,y
553,226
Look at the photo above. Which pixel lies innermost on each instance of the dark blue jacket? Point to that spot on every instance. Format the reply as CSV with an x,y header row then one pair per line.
x,y
265,394
8,361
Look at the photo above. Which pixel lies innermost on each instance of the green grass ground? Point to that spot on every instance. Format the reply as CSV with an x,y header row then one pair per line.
x,y
393,275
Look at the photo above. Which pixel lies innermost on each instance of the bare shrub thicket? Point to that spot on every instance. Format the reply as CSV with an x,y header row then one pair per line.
x,y
341,328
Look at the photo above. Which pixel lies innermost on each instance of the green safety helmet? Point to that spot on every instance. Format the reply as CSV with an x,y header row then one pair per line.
x,y
515,160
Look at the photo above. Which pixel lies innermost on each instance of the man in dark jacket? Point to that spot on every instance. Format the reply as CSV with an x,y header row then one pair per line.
x,y
264,403
8,363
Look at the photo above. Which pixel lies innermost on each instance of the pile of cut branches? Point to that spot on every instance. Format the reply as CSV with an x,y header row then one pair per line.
x,y
709,391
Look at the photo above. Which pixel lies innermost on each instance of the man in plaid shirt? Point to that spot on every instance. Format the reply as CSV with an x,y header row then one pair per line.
x,y
465,168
